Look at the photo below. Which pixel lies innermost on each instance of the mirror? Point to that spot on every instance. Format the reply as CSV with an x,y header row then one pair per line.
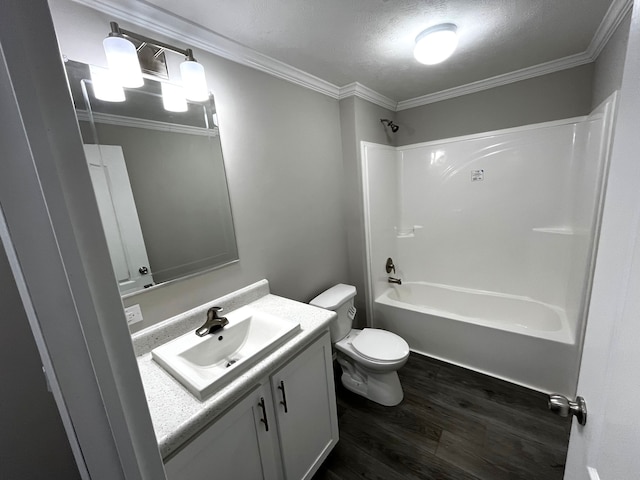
x,y
160,183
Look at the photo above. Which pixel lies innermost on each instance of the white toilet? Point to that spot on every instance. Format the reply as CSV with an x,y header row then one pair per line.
x,y
370,357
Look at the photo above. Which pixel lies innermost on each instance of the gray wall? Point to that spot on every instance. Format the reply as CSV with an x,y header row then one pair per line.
x,y
555,96
360,121
33,443
607,76
283,155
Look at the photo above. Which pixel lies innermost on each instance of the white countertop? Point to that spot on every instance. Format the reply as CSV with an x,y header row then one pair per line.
x,y
176,414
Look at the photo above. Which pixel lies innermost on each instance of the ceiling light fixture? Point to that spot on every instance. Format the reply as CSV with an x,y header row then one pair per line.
x,y
122,58
436,44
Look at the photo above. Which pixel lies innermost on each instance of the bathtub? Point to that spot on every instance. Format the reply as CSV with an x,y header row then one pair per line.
x,y
515,338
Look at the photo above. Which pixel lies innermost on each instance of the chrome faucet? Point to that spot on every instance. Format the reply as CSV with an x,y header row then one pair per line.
x,y
395,280
213,323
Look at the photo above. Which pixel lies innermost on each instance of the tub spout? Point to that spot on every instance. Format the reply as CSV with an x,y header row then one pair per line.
x,y
395,280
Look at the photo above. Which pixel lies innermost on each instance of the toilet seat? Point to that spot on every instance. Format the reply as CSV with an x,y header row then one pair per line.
x,y
380,346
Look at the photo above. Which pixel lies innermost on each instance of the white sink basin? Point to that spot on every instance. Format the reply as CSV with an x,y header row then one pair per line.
x,y
205,364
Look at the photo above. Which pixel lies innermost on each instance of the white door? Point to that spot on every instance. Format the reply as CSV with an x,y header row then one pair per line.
x,y
608,446
119,216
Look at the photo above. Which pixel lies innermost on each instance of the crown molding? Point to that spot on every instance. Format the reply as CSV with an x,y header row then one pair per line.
x,y
498,80
164,23
172,26
356,89
610,23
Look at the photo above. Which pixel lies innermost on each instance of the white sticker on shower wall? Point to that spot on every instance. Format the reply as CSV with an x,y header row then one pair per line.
x,y
477,175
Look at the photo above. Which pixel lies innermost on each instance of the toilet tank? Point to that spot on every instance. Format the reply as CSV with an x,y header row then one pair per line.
x,y
338,298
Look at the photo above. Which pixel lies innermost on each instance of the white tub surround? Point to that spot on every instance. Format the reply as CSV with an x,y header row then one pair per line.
x,y
176,414
493,237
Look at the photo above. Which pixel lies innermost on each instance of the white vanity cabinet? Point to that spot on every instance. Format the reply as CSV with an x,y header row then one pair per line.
x,y
236,446
299,405
305,403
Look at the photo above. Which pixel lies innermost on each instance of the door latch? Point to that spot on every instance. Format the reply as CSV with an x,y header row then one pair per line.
x,y
561,405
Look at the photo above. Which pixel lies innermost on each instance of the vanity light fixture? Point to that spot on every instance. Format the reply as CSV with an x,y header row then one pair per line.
x,y
195,84
105,86
436,44
173,97
122,57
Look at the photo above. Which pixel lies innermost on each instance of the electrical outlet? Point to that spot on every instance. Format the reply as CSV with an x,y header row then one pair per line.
x,y
134,314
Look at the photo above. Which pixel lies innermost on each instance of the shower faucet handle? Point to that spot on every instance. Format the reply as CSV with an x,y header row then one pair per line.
x,y
390,267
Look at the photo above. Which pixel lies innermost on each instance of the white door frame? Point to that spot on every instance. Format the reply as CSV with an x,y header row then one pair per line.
x,y
59,255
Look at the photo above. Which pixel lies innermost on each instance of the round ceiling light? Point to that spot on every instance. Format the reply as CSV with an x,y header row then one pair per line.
x,y
436,44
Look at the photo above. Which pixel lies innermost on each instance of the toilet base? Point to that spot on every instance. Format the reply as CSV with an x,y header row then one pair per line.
x,y
383,388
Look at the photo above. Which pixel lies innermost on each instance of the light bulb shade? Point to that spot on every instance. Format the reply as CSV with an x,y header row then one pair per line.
x,y
123,61
173,97
436,44
105,86
194,81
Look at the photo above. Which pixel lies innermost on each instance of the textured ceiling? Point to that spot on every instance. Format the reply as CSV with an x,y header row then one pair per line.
x,y
371,41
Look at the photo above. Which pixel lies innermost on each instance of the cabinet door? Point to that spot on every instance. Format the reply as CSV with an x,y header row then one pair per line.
x,y
237,446
305,403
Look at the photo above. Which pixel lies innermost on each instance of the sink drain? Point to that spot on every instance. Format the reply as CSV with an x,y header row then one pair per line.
x,y
230,362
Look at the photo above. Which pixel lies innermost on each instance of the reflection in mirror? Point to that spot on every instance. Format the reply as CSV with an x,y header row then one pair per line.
x,y
159,180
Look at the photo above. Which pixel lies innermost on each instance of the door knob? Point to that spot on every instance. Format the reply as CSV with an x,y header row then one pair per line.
x,y
561,405
143,270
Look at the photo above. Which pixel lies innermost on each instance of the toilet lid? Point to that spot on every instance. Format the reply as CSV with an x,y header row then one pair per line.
x,y
380,345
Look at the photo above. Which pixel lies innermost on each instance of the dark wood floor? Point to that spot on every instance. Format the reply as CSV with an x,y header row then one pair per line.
x,y
452,424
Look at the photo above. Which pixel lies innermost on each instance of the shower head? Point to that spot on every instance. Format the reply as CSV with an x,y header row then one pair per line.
x,y
394,128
